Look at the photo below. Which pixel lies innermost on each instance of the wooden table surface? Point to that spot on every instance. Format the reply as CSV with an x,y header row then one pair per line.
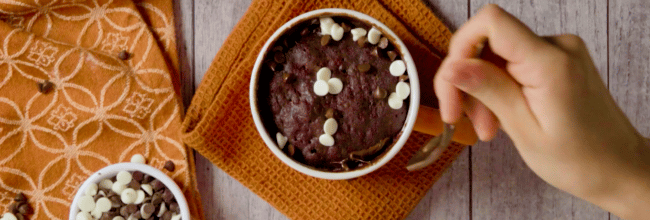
x,y
489,180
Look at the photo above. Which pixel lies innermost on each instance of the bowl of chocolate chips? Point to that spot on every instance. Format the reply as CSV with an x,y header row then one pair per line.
x,y
129,191
334,94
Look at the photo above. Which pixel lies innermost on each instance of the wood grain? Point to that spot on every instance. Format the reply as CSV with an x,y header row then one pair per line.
x,y
503,187
629,58
449,198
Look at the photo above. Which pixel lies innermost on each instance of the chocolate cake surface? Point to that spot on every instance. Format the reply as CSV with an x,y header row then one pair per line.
x,y
365,123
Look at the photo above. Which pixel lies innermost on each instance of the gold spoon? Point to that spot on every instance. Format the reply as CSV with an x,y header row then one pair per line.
x,y
431,151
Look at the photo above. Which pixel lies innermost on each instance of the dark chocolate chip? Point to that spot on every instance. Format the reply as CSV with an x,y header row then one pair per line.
x,y
279,57
304,32
325,39
277,67
147,178
134,184
45,88
403,78
136,215
342,68
383,43
124,211
329,113
375,52
174,207
148,209
13,208
20,197
156,199
116,202
379,93
25,209
138,176
123,55
291,150
19,216
346,27
168,196
288,77
153,217
108,216
392,55
157,185
363,67
170,166
362,42
278,48
131,208
167,216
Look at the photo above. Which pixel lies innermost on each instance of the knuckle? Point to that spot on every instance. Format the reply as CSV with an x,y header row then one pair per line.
x,y
492,12
573,41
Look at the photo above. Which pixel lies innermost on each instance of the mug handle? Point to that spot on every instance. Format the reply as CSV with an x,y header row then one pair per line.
x,y
428,122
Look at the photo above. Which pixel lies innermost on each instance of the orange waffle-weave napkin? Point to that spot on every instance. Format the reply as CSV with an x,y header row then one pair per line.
x,y
219,124
101,110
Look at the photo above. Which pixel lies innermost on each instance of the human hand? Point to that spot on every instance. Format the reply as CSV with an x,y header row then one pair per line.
x,y
551,101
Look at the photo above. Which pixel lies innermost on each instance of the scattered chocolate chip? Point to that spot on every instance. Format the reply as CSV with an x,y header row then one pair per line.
x,y
20,197
25,209
138,176
379,93
362,42
19,216
288,77
363,67
325,39
392,55
45,88
383,43
168,196
123,55
134,184
403,78
13,207
346,27
329,113
278,57
169,165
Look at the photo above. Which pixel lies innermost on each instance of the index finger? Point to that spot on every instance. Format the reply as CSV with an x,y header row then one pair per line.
x,y
507,36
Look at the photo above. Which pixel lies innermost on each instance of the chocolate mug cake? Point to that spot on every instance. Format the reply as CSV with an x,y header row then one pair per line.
x,y
335,93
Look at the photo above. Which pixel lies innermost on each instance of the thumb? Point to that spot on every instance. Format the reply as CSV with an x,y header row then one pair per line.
x,y
494,88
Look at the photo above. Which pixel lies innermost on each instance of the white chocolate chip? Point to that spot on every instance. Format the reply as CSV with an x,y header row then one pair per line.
x,y
86,203
324,74
80,216
281,139
96,214
326,140
139,198
326,25
337,32
163,209
394,101
131,217
101,193
403,90
124,177
128,196
330,126
358,33
176,217
138,158
91,190
147,188
118,188
106,184
321,88
397,68
335,86
102,205
374,35
118,218
10,216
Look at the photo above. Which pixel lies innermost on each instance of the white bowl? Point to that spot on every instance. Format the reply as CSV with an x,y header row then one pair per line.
x,y
112,170
410,118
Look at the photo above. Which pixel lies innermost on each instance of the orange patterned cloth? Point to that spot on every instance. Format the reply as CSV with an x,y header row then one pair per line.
x,y
219,124
101,110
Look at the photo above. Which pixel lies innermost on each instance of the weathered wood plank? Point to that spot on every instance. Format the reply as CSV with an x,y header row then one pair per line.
x,y
222,196
629,56
503,187
449,198
184,24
